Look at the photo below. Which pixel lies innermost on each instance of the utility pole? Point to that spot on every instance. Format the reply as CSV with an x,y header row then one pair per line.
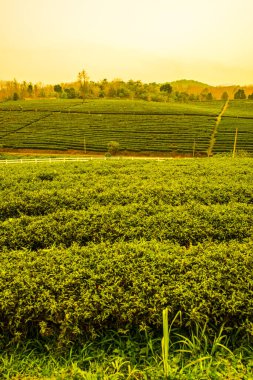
x,y
84,145
235,142
193,148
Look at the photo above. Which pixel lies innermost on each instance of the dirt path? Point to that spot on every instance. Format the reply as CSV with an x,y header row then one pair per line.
x,y
215,129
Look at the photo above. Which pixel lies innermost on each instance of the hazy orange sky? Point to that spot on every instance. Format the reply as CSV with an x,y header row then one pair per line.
x,y
151,40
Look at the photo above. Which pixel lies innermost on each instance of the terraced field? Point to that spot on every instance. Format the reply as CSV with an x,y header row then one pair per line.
x,y
138,126
113,106
133,132
239,115
240,108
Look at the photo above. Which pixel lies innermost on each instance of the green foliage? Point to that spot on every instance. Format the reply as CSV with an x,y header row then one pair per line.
x,y
166,87
92,252
70,92
30,89
224,96
182,224
121,355
73,293
113,147
185,202
15,96
87,247
83,82
240,94
58,88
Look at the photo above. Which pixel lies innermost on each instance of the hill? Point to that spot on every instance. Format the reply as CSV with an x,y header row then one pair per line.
x,y
189,85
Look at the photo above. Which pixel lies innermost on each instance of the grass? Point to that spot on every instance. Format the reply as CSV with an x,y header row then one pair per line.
x,y
134,356
131,356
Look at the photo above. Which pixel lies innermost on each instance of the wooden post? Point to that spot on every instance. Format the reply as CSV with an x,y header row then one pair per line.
x,y
235,142
193,148
84,145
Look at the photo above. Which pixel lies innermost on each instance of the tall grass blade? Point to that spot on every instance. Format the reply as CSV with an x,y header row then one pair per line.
x,y
195,362
165,343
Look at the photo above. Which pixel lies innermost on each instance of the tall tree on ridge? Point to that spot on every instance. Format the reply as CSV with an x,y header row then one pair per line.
x,y
83,81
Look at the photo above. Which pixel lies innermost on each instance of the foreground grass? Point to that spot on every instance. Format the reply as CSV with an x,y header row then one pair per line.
x,y
126,356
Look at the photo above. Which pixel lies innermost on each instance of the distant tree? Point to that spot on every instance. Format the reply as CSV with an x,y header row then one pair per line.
x,y
240,94
23,90
224,96
15,96
36,90
30,89
250,96
113,147
83,81
57,88
15,84
193,97
209,96
182,97
136,88
42,93
204,94
94,89
71,93
166,87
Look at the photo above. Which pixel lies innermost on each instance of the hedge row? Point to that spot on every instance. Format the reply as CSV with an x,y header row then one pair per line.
x,y
74,293
45,201
186,224
40,190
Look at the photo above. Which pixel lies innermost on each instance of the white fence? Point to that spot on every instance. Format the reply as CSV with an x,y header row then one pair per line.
x,y
75,159
37,160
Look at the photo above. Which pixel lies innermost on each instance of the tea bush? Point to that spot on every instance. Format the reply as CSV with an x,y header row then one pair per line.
x,y
89,247
73,293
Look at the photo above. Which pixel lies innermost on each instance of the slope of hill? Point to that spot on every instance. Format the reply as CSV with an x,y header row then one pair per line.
x,y
188,85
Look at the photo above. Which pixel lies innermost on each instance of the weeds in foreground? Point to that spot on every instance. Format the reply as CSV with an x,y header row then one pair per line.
x,y
133,357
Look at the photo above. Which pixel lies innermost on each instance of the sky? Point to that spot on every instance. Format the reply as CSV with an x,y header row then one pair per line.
x,y
50,41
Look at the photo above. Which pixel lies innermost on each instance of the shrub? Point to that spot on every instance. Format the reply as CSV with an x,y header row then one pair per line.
x,y
75,293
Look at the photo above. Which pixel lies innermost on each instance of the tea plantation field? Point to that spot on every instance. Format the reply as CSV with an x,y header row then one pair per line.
x,y
98,246
161,215
239,115
138,126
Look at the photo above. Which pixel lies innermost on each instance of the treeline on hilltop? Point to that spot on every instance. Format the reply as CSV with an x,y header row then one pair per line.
x,y
83,88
